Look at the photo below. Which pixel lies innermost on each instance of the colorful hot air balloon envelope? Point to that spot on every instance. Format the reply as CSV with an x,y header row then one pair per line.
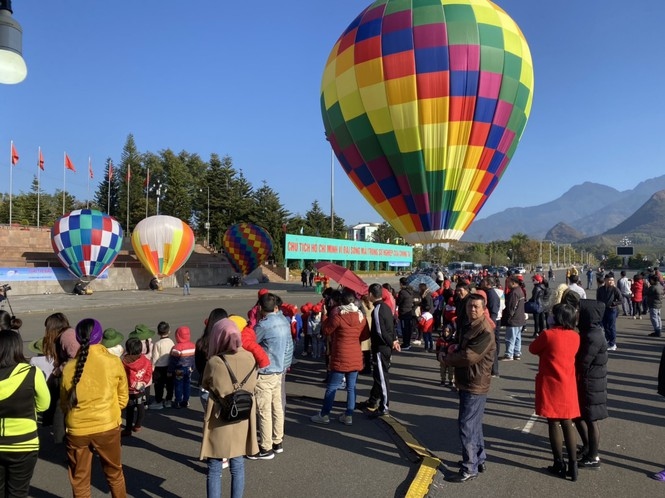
x,y
247,246
424,103
163,244
87,242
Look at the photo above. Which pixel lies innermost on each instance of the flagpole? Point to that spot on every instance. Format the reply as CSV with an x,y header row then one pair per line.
x,y
11,178
129,176
108,190
147,187
64,176
87,202
39,170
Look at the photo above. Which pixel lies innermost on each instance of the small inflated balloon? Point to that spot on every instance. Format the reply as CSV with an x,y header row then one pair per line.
x,y
247,246
424,103
87,242
163,244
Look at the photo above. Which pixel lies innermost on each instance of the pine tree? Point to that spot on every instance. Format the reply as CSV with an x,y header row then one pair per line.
x,y
271,215
102,200
177,199
130,190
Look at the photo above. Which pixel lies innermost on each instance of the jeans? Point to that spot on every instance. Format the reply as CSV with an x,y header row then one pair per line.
x,y
214,479
335,380
406,324
427,339
627,305
610,325
654,316
514,341
637,308
470,421
185,289
538,323
181,385
16,469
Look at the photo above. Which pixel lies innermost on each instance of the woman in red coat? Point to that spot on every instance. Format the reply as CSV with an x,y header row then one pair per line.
x,y
346,329
556,386
637,289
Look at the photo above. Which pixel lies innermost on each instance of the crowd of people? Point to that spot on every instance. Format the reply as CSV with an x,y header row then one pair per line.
x,y
85,376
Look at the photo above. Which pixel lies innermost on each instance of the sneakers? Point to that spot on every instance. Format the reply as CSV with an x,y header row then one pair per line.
x,y
320,419
517,357
589,463
376,413
659,476
506,358
462,476
155,406
137,428
168,404
345,419
278,448
612,348
262,455
654,334
405,348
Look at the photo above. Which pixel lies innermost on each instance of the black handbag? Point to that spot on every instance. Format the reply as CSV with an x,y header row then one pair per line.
x,y
237,405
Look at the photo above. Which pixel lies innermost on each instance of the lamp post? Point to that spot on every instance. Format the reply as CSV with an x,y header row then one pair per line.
x,y
158,191
207,225
12,66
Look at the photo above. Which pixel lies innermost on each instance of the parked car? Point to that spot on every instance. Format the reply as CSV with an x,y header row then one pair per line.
x,y
520,269
539,269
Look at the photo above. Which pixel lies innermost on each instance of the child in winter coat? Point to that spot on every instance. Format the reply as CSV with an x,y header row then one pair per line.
x,y
181,366
160,356
425,326
139,376
314,330
305,310
445,340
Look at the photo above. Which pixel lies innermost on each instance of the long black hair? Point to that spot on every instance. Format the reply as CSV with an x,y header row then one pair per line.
x,y
11,349
83,331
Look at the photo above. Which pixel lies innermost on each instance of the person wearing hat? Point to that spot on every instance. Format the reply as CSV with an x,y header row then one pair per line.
x,y
145,335
93,392
112,341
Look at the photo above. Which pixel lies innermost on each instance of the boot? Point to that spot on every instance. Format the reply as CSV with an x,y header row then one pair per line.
x,y
572,470
558,469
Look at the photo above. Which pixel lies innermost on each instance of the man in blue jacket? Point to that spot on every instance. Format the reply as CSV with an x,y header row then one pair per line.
x,y
273,334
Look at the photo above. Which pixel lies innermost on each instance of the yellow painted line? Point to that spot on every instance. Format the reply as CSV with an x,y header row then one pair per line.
x,y
428,464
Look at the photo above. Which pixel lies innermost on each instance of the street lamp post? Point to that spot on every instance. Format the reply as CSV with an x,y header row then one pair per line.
x,y
158,191
207,225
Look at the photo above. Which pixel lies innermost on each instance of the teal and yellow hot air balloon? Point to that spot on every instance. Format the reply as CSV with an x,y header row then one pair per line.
x,y
424,103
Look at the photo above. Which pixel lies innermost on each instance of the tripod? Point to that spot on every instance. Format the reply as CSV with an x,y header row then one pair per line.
x,y
6,294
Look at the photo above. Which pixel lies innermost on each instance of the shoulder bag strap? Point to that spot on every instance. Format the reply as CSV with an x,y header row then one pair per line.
x,y
237,386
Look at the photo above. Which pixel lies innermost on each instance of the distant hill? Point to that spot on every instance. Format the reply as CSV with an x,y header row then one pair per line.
x,y
647,224
589,208
563,234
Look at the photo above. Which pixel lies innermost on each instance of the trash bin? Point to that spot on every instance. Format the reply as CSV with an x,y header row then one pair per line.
x,y
319,287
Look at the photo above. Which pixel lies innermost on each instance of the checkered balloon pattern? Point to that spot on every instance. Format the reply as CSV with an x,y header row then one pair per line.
x,y
424,103
247,246
87,242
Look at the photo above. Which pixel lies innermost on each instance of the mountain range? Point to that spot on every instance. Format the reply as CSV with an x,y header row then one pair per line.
x,y
585,211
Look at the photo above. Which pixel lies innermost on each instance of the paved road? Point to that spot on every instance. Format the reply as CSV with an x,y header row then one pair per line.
x,y
367,459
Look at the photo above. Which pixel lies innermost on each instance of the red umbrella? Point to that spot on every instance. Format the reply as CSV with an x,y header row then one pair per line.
x,y
343,276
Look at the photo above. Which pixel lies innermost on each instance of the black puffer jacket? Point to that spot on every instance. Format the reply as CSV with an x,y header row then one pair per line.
x,y
404,301
591,361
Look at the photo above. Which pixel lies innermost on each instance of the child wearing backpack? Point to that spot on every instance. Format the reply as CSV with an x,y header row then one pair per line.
x,y
139,376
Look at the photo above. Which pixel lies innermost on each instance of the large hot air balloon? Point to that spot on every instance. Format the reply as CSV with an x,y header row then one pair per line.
x,y
87,242
163,244
424,103
247,246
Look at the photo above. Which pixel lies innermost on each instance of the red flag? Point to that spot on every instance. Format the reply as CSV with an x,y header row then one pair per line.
x,y
14,155
129,172
40,163
110,170
90,169
69,164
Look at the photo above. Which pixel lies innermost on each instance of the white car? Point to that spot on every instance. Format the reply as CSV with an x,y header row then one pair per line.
x,y
520,269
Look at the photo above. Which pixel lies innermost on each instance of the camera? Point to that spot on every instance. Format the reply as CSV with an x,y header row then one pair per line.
x,y
6,287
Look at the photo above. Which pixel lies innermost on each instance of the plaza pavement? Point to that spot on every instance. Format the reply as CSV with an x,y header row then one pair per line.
x,y
371,458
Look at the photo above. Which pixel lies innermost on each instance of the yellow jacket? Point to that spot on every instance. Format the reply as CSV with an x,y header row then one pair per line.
x,y
101,391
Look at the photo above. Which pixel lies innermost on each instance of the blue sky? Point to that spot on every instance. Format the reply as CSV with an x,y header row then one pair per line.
x,y
243,78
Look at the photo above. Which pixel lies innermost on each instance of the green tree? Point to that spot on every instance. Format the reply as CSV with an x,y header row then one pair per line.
x,y
109,204
130,193
178,196
271,215
317,223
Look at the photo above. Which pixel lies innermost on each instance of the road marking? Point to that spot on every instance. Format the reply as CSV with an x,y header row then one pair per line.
x,y
429,464
529,425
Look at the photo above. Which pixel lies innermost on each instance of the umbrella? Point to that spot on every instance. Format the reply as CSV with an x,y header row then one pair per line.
x,y
343,276
420,278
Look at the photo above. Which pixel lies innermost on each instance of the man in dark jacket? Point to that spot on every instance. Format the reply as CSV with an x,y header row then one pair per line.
x,y
404,303
384,340
609,295
515,319
654,296
472,359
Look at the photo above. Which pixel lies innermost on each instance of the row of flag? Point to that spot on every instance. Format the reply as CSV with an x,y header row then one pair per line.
x,y
70,165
